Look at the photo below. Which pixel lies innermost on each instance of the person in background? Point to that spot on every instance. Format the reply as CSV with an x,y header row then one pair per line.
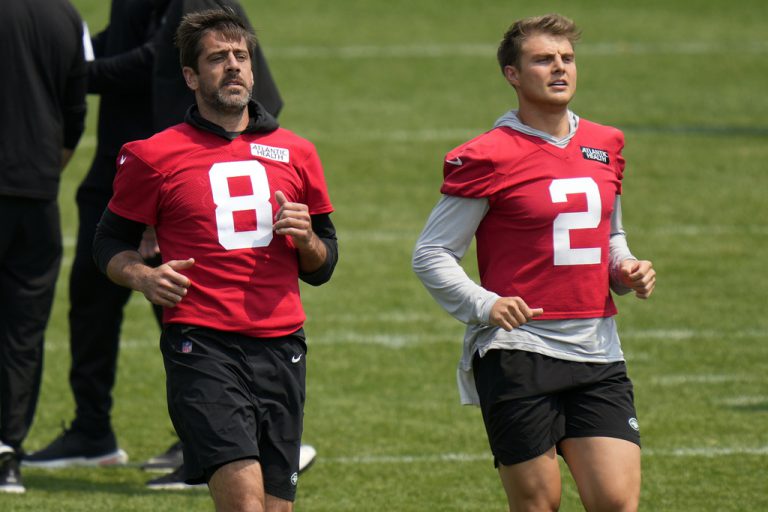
x,y
42,100
541,193
241,211
96,304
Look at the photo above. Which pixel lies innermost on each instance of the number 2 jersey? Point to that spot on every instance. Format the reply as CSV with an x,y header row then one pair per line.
x,y
545,237
213,199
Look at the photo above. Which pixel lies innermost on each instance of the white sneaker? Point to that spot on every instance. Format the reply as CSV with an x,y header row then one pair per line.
x,y
173,481
307,455
4,448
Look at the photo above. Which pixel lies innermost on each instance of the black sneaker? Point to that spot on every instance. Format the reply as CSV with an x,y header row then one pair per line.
x,y
10,475
171,459
173,481
73,448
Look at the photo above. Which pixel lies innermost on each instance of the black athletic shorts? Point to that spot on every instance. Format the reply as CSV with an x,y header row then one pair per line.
x,y
530,402
233,397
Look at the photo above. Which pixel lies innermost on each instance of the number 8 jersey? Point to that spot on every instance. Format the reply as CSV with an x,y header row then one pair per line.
x,y
545,236
213,199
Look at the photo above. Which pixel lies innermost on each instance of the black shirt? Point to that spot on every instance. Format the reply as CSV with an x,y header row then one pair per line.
x,y
42,94
125,85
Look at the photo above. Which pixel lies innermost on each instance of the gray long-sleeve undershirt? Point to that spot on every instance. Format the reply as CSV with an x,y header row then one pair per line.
x,y
436,261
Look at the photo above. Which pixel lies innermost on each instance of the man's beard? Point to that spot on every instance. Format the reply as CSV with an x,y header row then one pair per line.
x,y
225,103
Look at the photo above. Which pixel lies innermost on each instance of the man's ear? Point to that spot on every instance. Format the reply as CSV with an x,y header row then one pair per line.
x,y
190,76
512,75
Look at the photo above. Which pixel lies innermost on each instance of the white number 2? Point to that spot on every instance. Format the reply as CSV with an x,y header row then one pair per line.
x,y
565,222
227,204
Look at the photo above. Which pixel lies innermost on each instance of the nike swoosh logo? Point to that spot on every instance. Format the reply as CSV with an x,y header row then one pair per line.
x,y
296,359
455,161
123,159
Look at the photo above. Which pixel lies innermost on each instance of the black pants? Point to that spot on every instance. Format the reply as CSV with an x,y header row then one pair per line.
x,y
95,315
30,258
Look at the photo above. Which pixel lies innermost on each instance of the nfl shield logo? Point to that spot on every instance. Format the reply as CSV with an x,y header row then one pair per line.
x,y
186,346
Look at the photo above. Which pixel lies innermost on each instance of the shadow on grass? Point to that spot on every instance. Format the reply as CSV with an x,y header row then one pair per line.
x,y
114,482
755,407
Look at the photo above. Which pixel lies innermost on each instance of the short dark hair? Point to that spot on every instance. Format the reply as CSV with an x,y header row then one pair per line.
x,y
510,47
195,25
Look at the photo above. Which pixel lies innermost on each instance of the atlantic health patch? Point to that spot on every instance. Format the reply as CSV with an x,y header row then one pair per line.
x,y
598,155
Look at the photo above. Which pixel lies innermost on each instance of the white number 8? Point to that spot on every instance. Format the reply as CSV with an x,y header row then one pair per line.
x,y
565,222
226,204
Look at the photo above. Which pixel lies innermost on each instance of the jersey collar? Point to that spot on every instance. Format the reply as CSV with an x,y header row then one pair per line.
x,y
259,121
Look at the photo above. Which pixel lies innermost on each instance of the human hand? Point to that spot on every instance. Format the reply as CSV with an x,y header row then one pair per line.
x,y
639,276
293,219
165,285
512,312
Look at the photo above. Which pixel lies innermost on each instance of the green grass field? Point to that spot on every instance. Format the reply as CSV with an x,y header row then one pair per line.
x,y
384,89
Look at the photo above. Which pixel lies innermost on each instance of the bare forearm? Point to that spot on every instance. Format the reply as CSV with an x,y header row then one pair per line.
x,y
163,285
293,220
313,255
323,229
128,269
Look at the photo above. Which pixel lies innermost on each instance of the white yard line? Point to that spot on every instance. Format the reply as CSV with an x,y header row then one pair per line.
x,y
745,401
712,451
704,229
692,334
704,378
707,452
454,50
395,339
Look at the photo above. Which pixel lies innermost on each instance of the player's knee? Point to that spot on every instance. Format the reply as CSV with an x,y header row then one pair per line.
x,y
534,507
241,503
615,502
534,502
237,487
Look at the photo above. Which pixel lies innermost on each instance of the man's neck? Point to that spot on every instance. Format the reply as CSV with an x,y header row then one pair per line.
x,y
554,122
231,122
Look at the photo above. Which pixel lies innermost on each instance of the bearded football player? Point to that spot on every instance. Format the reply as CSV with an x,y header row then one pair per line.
x,y
241,212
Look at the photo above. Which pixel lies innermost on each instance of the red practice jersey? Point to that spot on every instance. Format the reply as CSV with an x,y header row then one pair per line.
x,y
213,200
545,236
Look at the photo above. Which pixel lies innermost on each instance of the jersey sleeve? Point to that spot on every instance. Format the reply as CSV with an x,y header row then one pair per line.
x,y
136,188
468,172
315,189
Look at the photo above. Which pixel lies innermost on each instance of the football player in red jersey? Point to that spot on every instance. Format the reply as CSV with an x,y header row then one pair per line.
x,y
540,192
241,212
